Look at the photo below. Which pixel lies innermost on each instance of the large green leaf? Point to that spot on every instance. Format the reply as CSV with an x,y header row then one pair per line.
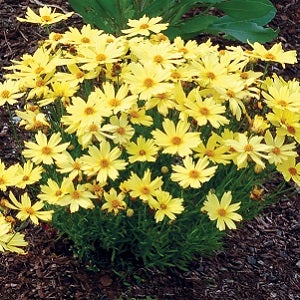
x,y
260,12
242,30
191,27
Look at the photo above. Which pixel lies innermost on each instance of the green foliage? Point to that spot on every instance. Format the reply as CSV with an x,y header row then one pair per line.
x,y
237,19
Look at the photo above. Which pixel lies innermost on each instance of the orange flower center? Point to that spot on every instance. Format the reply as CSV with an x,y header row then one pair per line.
x,y
183,50
2,181
38,70
85,40
104,163
100,57
145,190
29,210
89,110
163,206
176,140
57,36
93,128
194,174
293,171
175,75
204,111
209,153
76,195
5,94
46,150
121,130
25,178
248,148
210,75
46,18
270,56
230,93
276,150
114,102
115,203
222,212
158,59
79,75
148,82
291,129
144,26
142,152
244,75
58,193
40,83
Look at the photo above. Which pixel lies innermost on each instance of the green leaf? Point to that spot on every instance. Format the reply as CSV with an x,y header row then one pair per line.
x,y
242,30
259,11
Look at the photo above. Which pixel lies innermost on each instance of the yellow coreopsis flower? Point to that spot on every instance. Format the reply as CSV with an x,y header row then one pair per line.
x,y
142,150
7,176
122,131
249,148
76,196
193,174
222,211
114,201
28,210
144,26
176,139
9,92
276,54
28,174
143,188
165,205
290,170
103,162
44,151
46,16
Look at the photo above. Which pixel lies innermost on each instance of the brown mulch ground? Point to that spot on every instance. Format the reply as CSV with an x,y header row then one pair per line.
x,y
260,261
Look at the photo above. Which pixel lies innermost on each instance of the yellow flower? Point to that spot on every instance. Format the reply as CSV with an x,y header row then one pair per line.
x,y
251,148
142,150
103,162
27,210
28,174
222,211
45,17
207,110
7,176
143,188
9,92
76,197
114,202
275,54
144,26
138,116
67,164
176,140
52,192
123,131
44,151
193,174
165,205
279,151
147,80
290,170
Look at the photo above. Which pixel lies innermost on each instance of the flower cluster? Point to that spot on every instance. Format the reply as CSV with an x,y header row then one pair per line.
x,y
120,122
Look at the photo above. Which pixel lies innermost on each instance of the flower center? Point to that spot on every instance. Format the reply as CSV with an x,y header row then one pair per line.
x,y
175,75
115,203
100,57
76,195
276,150
142,152
93,128
46,18
293,171
79,75
46,150
176,140
114,102
209,153
38,70
248,148
194,174
270,56
163,206
145,190
144,26
85,40
244,75
29,210
58,193
121,130
183,50
230,93
204,111
210,75
158,59
89,110
25,178
148,82
57,36
291,129
40,83
222,212
5,94
104,163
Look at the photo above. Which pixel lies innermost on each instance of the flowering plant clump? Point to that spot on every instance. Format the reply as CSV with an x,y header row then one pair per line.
x,y
135,139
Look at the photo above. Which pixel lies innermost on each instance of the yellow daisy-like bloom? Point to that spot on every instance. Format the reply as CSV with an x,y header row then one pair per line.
x,y
68,165
46,16
9,92
207,110
144,26
165,205
193,174
279,151
28,174
114,202
176,139
103,162
147,80
276,54
7,176
143,188
290,170
27,210
9,240
44,151
52,192
142,150
251,148
123,131
222,211
77,197
138,116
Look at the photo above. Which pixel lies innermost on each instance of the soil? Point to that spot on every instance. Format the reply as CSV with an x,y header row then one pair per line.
x,y
260,260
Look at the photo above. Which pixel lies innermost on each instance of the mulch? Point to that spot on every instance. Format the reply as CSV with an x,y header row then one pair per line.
x,y
260,260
